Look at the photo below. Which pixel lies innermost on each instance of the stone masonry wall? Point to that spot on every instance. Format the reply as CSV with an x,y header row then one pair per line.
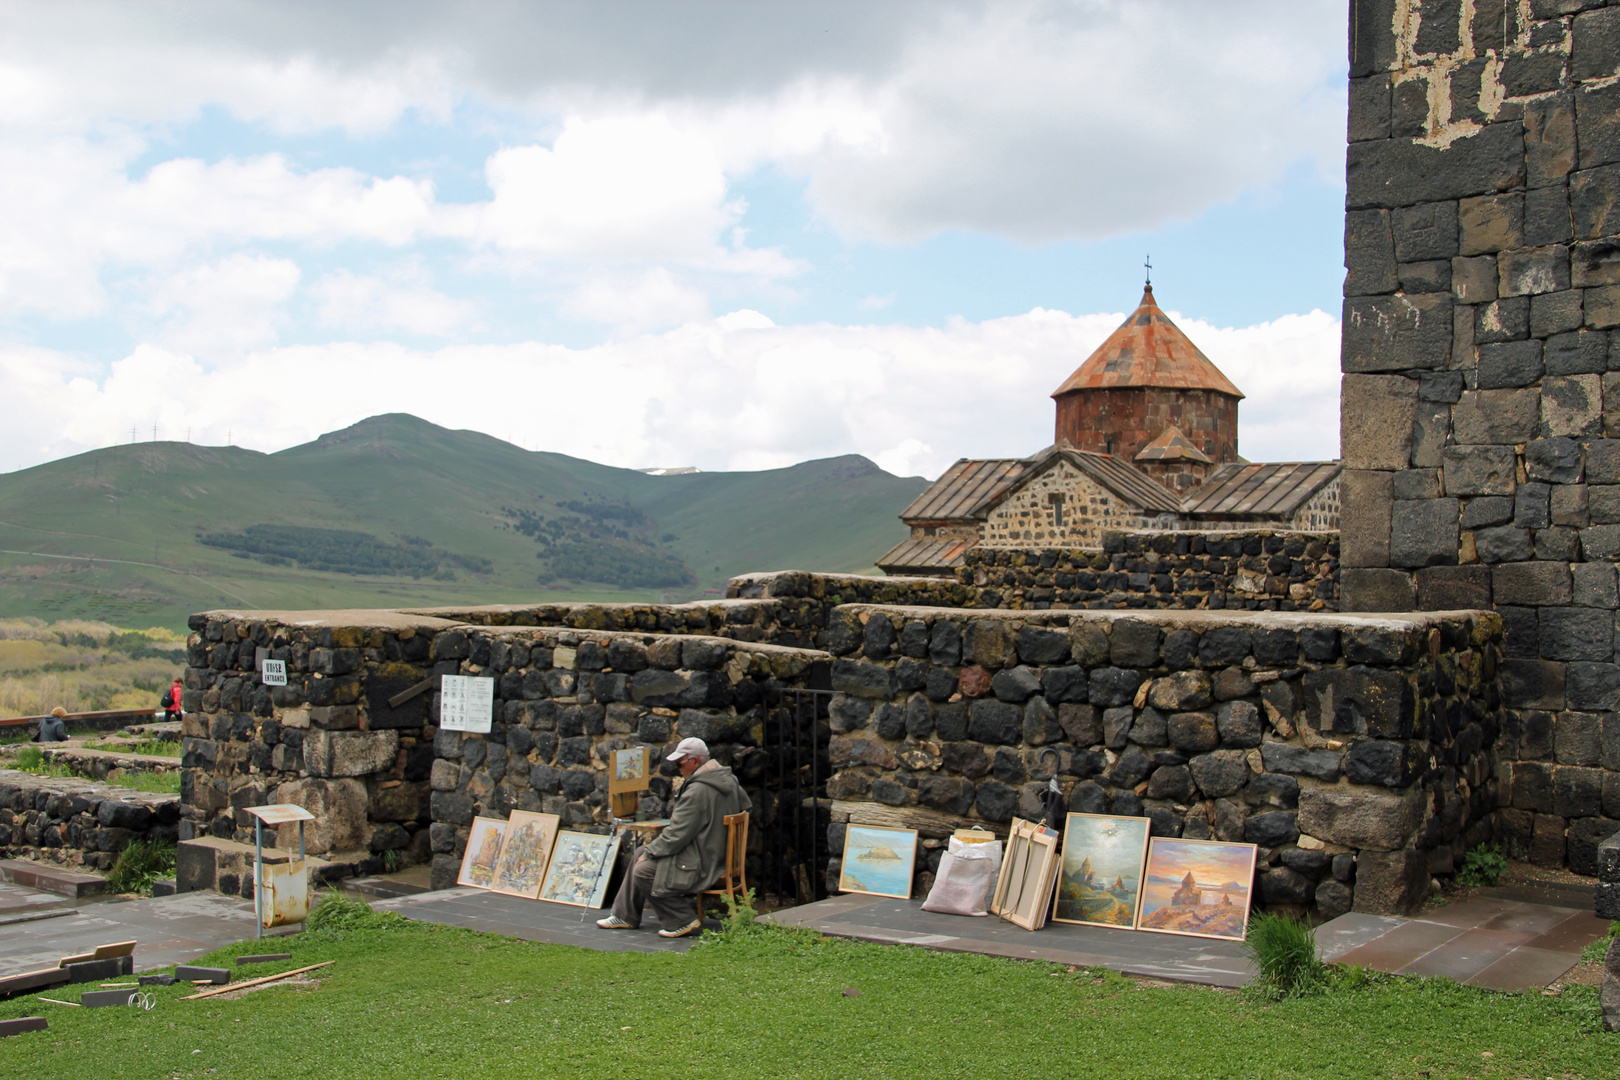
x,y
1481,386
381,777
80,823
1355,751
1255,570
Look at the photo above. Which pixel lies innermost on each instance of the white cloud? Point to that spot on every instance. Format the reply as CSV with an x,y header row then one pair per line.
x,y
401,301
727,393
227,306
652,298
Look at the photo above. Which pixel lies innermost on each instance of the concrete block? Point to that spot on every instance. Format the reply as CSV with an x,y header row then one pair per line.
x,y
188,973
96,970
100,999
157,980
1375,418
22,1024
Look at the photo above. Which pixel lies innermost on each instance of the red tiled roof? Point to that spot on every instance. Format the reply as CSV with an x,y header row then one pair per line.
x,y
1148,350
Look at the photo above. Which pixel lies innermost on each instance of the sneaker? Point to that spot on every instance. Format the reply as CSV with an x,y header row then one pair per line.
x,y
690,928
613,922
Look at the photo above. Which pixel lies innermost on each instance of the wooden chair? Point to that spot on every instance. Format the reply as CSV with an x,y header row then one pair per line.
x,y
733,883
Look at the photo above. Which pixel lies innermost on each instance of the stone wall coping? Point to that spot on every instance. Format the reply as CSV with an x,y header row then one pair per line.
x,y
648,636
767,576
460,613
1192,618
71,785
348,618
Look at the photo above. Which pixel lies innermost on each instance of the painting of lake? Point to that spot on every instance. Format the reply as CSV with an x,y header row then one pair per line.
x,y
1197,887
878,861
1102,869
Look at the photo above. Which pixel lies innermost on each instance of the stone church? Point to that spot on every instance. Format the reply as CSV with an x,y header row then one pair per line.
x,y
1146,438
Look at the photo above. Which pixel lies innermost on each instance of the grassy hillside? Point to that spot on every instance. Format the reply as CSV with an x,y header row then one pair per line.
x,y
446,517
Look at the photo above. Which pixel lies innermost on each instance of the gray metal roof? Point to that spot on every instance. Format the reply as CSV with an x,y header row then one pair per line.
x,y
962,488
1273,489
970,489
925,555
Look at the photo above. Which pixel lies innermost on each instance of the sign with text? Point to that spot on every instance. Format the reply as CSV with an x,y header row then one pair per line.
x,y
466,703
274,673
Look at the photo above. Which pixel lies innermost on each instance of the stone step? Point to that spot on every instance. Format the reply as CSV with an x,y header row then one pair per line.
x,y
51,879
383,888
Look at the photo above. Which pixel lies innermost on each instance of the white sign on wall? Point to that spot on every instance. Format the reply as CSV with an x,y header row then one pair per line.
x,y
274,673
466,703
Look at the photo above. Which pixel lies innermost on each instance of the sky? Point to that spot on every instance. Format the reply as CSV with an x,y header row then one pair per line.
x,y
730,234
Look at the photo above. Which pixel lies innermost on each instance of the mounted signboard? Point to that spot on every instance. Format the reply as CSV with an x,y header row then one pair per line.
x,y
466,703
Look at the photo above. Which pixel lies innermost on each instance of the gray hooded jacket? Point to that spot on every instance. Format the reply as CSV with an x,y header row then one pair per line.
x,y
691,851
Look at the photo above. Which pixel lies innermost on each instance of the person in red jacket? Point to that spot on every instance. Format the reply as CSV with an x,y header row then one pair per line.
x,y
171,701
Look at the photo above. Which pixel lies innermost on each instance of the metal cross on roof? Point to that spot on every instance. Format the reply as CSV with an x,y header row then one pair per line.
x,y
1148,263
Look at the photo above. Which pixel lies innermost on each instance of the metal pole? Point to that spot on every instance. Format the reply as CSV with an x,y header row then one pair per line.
x,y
258,877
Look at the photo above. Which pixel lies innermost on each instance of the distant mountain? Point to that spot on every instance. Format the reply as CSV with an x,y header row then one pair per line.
x,y
398,511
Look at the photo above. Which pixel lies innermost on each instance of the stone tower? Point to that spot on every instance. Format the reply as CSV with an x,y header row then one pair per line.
x,y
1149,396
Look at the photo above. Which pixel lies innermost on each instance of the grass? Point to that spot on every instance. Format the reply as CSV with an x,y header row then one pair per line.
x,y
1598,949
406,999
140,864
152,747
154,783
1284,949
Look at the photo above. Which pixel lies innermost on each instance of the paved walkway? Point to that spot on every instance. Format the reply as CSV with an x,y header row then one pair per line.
x,y
167,929
532,920
1494,940
1161,956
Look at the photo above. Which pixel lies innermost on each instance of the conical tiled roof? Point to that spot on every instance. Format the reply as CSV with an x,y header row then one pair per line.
x,y
1148,350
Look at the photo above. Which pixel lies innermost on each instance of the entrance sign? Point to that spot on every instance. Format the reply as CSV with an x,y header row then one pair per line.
x,y
274,673
466,703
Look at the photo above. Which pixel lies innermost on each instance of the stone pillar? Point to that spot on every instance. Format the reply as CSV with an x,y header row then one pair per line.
x,y
1481,370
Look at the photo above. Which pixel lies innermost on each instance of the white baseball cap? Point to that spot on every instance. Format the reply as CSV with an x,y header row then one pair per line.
x,y
689,748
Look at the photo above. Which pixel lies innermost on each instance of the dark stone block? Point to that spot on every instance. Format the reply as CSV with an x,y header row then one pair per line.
x,y
1369,253
1148,728
1192,732
1360,701
1397,172
1133,644
995,722
1506,319
1585,836
1509,364
1320,644
1375,589
1532,684
1577,792
1272,829
1554,461
855,677
1223,645
1111,686
1425,232
1597,124
946,793
878,639
1454,588
1131,769
1220,773
1591,687
945,643
1532,786
1039,646
1577,633
996,801
1064,685
1283,758
1424,533
1016,684
1239,724
1390,764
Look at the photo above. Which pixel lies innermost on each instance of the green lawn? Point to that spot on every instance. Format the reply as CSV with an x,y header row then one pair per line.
x,y
424,1002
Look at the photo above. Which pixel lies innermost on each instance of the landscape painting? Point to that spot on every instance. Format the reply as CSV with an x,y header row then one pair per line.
x,y
524,853
1102,870
631,771
878,861
483,852
1197,887
580,867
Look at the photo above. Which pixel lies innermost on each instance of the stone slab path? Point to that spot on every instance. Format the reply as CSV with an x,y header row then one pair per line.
x,y
168,929
532,920
1496,940
1160,956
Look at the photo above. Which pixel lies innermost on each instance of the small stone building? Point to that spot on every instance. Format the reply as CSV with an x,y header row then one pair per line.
x,y
1145,438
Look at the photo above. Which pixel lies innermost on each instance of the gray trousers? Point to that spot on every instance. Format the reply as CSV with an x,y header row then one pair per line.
x,y
635,893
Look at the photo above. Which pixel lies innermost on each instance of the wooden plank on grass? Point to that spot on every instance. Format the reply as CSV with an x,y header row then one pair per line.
x,y
255,982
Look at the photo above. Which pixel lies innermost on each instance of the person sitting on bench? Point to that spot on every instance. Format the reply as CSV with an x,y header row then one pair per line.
x,y
689,855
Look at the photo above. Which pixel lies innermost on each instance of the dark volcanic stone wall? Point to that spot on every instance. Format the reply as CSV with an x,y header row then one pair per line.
x,y
1356,752
1481,387
1253,570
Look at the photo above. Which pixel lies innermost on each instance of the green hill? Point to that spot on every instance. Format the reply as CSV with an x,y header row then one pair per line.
x,y
398,511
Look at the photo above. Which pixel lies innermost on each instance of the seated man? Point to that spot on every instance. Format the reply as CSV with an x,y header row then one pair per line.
x,y
689,855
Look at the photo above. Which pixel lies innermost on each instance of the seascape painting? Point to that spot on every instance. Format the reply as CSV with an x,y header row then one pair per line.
x,y
1197,887
1101,878
524,852
878,861
581,864
631,771
483,852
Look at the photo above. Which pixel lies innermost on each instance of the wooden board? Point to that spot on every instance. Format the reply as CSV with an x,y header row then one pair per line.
x,y
934,824
117,948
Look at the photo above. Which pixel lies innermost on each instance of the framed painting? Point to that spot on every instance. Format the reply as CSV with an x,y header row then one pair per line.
x,y
878,861
1029,871
1198,887
1100,882
521,869
581,864
483,852
631,771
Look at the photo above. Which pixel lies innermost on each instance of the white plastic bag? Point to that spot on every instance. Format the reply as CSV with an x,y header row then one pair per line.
x,y
967,873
